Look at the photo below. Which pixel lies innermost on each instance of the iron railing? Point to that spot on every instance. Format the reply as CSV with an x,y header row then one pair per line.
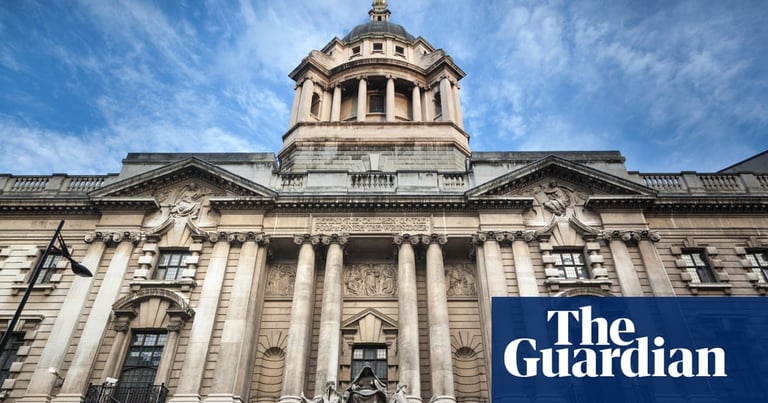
x,y
108,393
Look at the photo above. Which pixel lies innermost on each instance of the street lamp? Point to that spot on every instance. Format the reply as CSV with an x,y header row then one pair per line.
x,y
62,250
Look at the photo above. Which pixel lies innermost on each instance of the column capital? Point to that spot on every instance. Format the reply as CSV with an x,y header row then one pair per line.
x,y
362,78
115,237
306,238
434,239
237,238
631,235
334,238
399,239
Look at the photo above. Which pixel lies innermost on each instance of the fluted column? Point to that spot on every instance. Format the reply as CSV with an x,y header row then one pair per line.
x,y
300,328
79,373
440,355
305,106
55,350
238,336
408,318
390,99
330,316
191,377
362,99
416,103
446,99
336,104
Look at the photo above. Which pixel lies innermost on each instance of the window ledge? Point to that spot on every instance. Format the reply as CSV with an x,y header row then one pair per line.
x,y
45,288
696,287
185,284
555,284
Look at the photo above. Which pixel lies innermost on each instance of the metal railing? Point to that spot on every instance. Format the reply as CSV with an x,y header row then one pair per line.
x,y
108,393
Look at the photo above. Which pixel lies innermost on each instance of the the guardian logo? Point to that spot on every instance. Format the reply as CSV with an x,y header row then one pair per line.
x,y
592,347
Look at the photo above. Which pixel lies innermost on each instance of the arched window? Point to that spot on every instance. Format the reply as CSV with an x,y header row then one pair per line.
x,y
315,108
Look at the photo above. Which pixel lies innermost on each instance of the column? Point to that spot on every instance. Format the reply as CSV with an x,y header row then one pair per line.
x,y
305,105
625,269
336,104
484,300
79,373
446,99
55,350
390,99
527,284
330,316
362,99
428,107
326,104
416,103
457,106
295,107
408,317
191,376
440,355
176,323
300,328
122,325
494,266
657,274
237,338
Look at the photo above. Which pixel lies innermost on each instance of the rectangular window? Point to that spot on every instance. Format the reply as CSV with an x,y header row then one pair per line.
x,y
170,265
355,50
8,355
376,103
378,47
758,262
374,356
399,50
697,267
49,267
571,264
142,359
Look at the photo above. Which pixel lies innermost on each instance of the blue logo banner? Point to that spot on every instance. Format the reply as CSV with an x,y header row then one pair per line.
x,y
633,350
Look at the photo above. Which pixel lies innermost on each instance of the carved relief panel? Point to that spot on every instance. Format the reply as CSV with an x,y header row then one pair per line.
x,y
280,279
370,280
558,200
460,280
186,200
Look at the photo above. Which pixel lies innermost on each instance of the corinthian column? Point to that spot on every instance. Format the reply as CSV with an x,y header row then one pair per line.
x,y
330,316
390,99
440,355
336,104
416,103
408,318
301,321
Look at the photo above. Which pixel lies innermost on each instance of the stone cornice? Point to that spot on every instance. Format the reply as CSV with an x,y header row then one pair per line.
x,y
17,206
619,202
710,204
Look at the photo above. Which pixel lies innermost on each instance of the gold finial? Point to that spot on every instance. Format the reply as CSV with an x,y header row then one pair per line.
x,y
379,5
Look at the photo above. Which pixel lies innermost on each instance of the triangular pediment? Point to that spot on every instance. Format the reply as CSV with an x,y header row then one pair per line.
x,y
147,183
352,321
590,180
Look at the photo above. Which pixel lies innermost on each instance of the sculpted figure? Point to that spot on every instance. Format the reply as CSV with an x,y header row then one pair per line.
x,y
558,200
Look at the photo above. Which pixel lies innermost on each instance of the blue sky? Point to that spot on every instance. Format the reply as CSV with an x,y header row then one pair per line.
x,y
674,85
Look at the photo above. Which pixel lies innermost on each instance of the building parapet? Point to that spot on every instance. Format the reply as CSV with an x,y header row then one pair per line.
x,y
704,183
53,185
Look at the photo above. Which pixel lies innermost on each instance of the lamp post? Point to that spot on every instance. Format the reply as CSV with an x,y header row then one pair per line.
x,y
62,250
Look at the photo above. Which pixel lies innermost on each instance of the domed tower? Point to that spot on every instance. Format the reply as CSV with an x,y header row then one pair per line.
x,y
374,101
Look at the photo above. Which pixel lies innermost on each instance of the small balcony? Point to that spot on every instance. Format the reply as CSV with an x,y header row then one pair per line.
x,y
108,393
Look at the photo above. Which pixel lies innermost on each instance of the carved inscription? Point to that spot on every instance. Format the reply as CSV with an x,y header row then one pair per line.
x,y
460,281
388,225
370,280
280,280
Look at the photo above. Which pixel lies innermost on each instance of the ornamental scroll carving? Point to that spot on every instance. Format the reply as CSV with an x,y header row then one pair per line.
x,y
370,280
388,225
460,281
280,280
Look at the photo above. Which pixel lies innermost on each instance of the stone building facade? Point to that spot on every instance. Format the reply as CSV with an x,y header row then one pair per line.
x,y
375,237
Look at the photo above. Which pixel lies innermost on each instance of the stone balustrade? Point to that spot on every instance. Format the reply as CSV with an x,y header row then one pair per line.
x,y
53,184
703,183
